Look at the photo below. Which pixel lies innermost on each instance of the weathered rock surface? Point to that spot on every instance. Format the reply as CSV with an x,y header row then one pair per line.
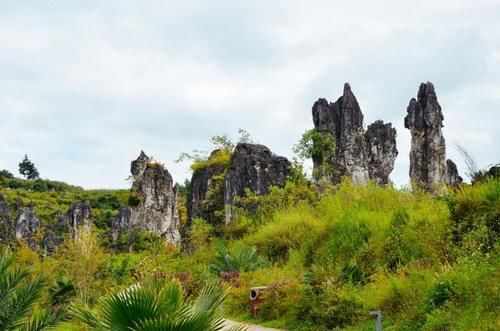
x,y
204,182
358,155
382,151
27,222
7,227
79,214
121,222
452,176
53,235
157,209
256,168
424,119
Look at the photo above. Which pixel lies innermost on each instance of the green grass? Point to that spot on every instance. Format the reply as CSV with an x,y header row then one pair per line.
x,y
329,254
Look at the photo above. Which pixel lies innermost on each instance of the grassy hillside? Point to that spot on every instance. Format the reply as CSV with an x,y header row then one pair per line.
x,y
328,254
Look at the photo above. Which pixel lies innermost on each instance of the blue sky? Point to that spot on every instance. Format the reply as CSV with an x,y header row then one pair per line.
x,y
85,85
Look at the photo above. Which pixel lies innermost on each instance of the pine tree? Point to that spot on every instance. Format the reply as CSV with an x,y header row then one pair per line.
x,y
28,169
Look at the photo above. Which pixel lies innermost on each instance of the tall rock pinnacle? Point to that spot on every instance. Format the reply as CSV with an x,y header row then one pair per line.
x,y
428,164
157,208
358,155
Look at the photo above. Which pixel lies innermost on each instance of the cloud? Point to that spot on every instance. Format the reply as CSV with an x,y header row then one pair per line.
x,y
86,85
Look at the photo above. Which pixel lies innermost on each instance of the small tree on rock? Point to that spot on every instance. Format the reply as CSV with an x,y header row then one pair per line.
x,y
28,169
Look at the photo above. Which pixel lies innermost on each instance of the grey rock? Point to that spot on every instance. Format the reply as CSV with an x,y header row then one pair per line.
x,y
78,215
424,119
27,222
7,226
358,155
256,168
121,222
452,176
157,210
53,234
203,183
382,151
494,171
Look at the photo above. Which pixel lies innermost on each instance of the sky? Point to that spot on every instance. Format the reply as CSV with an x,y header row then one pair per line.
x,y
85,85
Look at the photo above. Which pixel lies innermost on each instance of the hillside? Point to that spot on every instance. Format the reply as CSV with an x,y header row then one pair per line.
x,y
329,255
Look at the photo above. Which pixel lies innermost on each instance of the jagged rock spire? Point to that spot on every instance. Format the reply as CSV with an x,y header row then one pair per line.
x,y
428,164
359,155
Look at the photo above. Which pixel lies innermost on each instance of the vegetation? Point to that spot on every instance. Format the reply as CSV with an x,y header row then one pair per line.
x,y
327,254
319,146
155,305
28,169
20,292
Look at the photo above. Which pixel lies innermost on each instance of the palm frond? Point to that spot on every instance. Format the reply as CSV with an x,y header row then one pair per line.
x,y
46,319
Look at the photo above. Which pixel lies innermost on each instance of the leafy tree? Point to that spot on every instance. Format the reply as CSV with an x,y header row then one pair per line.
x,y
155,305
319,146
20,290
28,169
244,137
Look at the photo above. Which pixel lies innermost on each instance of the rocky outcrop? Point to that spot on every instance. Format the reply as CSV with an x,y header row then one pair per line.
x,y
79,214
206,194
157,209
452,177
358,155
121,222
253,167
53,234
382,151
27,223
7,227
428,164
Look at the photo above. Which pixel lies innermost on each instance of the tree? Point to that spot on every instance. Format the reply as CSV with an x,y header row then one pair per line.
x,y
319,146
28,169
20,290
155,305
6,174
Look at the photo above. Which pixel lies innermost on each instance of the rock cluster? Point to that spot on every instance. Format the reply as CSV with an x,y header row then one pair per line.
x,y
157,208
206,181
78,215
215,187
7,228
428,164
27,223
53,234
359,155
256,168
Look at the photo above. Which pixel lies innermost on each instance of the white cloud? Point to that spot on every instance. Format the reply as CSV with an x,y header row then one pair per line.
x,y
86,85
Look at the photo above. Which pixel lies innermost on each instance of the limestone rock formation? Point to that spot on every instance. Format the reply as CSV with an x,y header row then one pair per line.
x,y
452,176
121,222
382,151
27,222
157,209
7,227
79,214
254,167
358,155
205,184
424,119
53,234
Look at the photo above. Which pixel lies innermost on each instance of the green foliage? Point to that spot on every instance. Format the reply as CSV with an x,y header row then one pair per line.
x,y
6,174
319,146
155,305
242,259
329,255
218,157
20,291
28,169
